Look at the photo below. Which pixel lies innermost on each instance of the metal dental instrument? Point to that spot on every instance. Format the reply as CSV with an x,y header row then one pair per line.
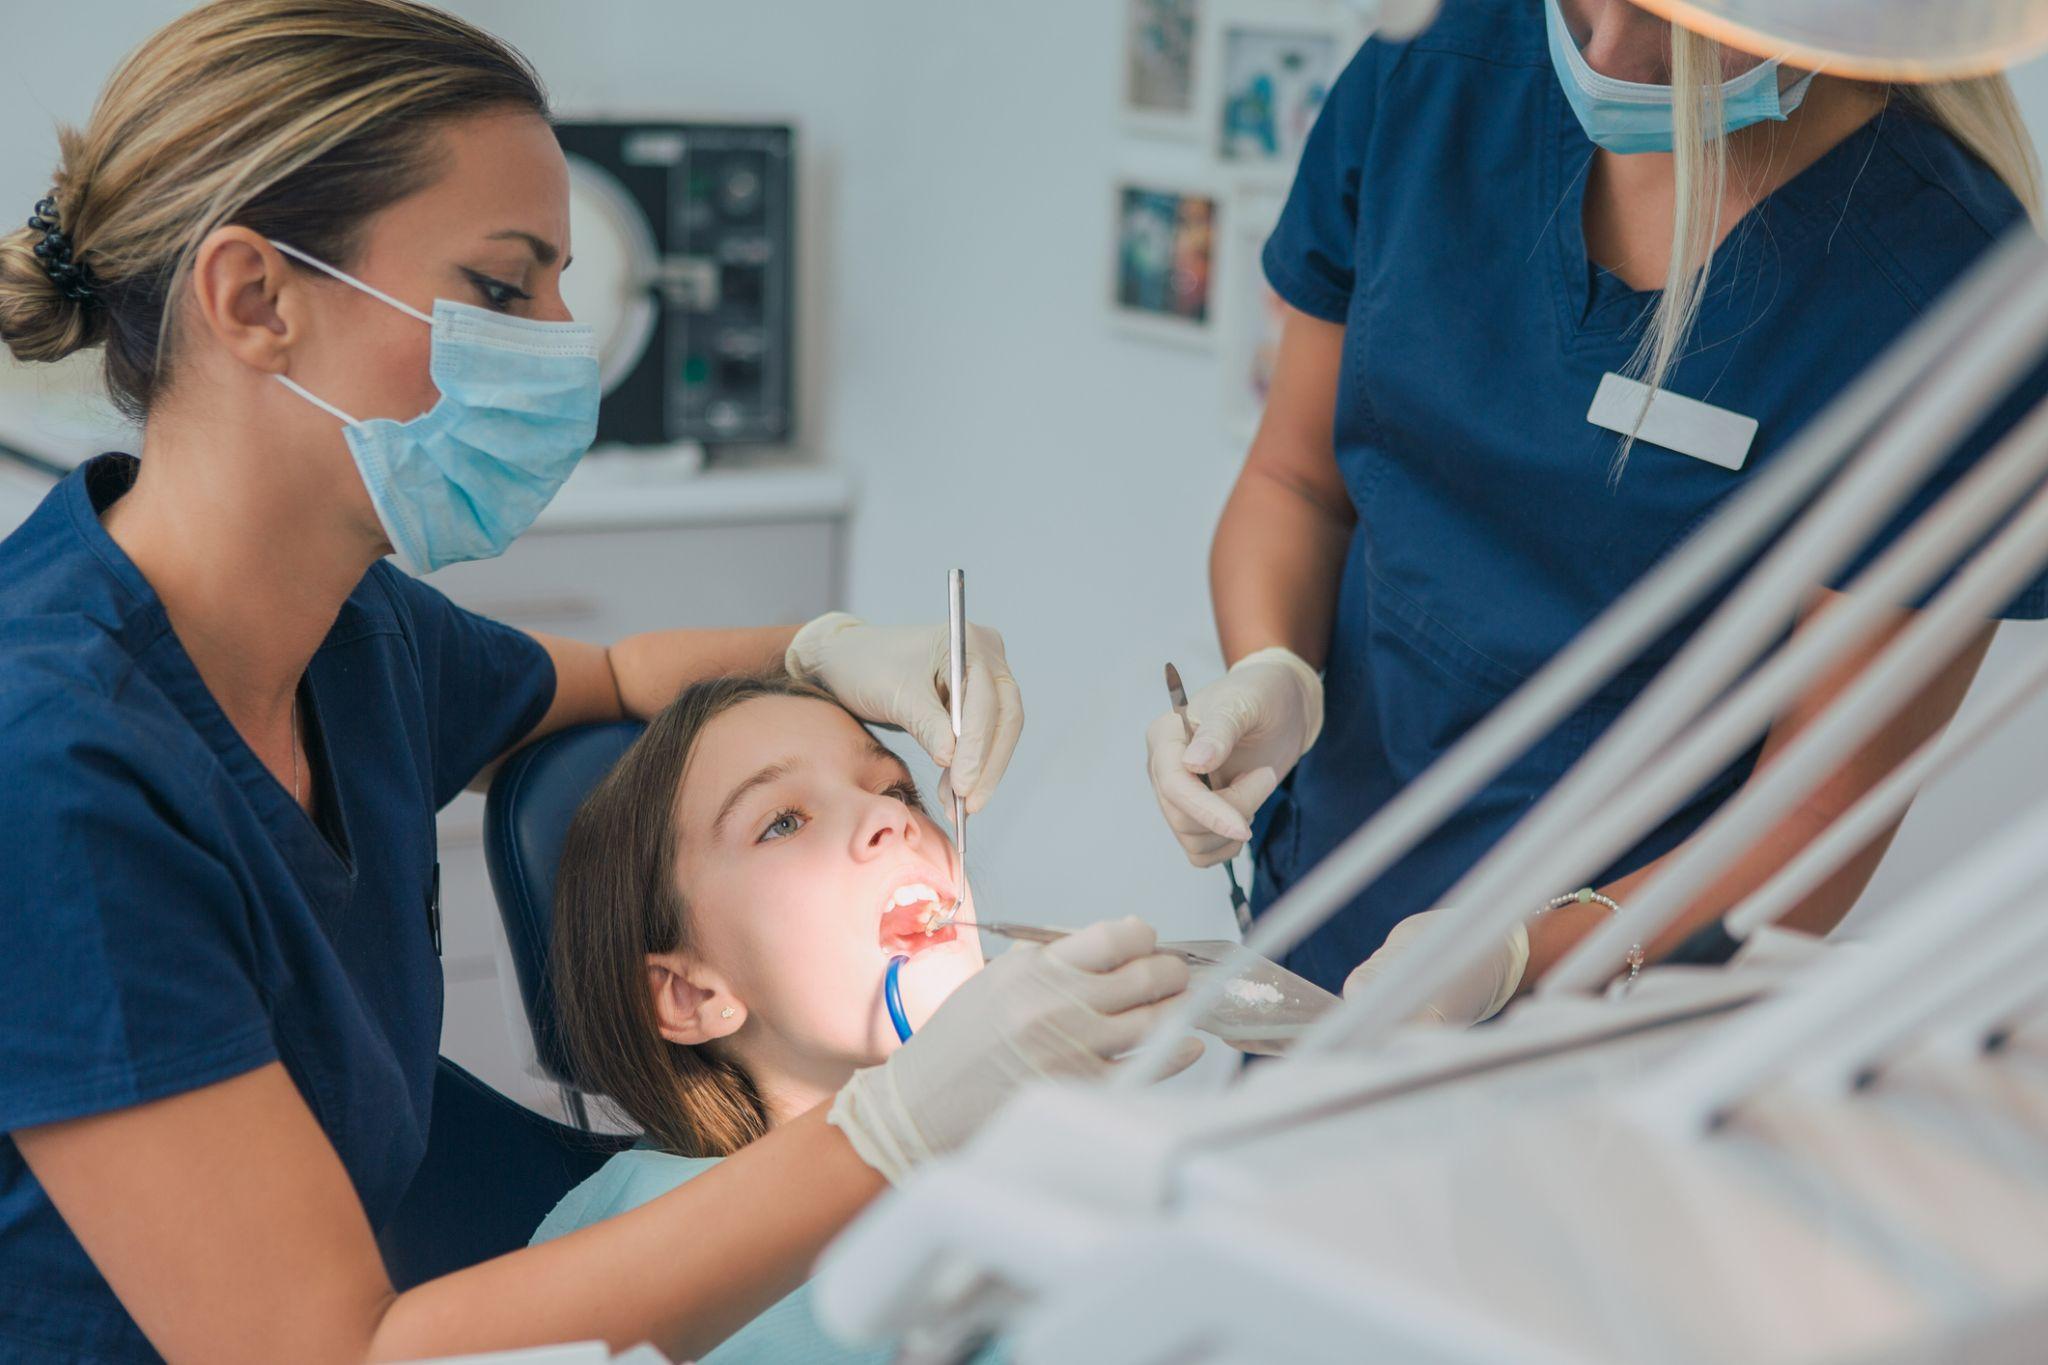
x,y
1178,695
1039,933
956,678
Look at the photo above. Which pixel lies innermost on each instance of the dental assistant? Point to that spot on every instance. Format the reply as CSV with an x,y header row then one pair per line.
x,y
320,243
1487,221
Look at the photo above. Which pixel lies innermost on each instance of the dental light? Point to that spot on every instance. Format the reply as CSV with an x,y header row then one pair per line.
x,y
1877,40
1873,40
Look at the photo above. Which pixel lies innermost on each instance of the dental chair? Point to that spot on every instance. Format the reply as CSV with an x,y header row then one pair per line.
x,y
526,822
494,1168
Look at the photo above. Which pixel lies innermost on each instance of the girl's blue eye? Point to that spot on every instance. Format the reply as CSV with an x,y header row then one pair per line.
x,y
906,792
782,826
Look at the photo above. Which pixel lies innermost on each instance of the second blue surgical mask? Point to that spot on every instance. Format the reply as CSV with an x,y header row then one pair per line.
x,y
1629,117
518,408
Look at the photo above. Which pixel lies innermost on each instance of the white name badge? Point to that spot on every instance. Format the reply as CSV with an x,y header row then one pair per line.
x,y
1674,421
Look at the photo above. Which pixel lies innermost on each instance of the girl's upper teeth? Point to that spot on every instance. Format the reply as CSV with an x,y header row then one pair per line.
x,y
913,894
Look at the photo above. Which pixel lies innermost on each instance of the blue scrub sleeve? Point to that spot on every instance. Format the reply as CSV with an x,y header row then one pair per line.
x,y
128,950
486,684
1310,258
2031,604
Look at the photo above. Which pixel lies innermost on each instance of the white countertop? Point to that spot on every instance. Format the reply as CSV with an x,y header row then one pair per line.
x,y
616,489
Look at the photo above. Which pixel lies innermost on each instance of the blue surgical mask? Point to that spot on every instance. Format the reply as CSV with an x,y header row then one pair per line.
x,y
1627,116
518,408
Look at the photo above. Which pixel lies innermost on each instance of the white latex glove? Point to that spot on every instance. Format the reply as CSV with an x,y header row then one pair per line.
x,y
896,675
1252,725
1478,993
1069,1008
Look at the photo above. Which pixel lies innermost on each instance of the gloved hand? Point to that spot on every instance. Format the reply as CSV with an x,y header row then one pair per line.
x,y
1252,726
894,675
1477,994
1065,1009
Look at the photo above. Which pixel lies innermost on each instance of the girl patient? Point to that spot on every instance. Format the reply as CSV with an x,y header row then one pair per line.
x,y
729,900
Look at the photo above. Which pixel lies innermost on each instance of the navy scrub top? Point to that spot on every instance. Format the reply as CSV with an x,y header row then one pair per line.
x,y
1436,216
169,917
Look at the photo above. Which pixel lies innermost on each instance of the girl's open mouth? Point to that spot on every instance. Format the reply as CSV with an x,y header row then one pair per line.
x,y
908,917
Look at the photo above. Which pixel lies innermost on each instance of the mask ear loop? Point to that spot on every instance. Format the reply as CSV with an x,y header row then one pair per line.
x,y
892,995
314,399
1790,97
372,290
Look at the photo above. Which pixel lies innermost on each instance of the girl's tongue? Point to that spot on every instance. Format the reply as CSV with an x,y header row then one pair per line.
x,y
904,931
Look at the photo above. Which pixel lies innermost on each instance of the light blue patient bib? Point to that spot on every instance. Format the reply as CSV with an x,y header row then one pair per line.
x,y
786,1334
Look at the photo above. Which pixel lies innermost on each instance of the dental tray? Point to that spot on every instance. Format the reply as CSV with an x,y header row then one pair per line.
x,y
1264,1008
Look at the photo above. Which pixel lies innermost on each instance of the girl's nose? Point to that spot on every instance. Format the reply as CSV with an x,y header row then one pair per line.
x,y
885,823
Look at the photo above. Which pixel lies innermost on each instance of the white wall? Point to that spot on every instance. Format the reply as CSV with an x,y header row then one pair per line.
x,y
957,159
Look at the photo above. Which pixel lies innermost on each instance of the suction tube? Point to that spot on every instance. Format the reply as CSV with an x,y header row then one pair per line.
x,y
892,994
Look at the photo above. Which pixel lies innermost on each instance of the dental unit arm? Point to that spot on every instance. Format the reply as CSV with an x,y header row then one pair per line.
x,y
1681,1108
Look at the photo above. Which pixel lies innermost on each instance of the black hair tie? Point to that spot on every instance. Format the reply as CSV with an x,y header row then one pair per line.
x,y
73,278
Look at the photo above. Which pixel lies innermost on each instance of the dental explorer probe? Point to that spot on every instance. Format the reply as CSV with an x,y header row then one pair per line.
x,y
1043,934
956,680
1178,695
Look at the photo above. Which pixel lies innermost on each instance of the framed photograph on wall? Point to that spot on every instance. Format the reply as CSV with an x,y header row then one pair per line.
x,y
1266,71
1162,67
1163,261
1249,313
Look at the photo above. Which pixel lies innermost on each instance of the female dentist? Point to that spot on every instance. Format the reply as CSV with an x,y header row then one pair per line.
x,y
320,242
1487,220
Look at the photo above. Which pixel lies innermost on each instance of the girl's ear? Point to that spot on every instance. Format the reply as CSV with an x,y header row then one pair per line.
x,y
692,1005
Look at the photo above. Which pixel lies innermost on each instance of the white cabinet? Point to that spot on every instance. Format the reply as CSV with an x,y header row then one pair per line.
x,y
617,554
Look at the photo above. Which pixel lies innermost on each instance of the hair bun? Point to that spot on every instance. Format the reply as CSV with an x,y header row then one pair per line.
x,y
73,278
49,305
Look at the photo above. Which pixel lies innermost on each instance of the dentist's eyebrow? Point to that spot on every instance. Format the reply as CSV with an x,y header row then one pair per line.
x,y
774,772
544,251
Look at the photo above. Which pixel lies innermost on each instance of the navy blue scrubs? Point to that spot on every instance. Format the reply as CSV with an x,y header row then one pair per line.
x,y
1437,217
169,916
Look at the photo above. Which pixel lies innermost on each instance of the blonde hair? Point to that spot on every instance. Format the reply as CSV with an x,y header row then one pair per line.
x,y
1979,113
296,118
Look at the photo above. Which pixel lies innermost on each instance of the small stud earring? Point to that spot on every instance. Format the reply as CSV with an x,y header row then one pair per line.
x,y
727,1013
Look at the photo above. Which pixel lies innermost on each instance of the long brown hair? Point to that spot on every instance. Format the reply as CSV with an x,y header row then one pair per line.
x,y
298,119
616,901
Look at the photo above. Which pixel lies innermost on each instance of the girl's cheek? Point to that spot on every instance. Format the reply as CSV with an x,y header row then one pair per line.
x,y
941,842
937,978
804,897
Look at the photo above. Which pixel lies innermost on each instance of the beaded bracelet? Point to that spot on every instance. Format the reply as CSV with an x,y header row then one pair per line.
x,y
1586,895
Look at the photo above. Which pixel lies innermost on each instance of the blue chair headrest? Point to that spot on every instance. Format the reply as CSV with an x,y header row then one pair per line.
x,y
526,822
